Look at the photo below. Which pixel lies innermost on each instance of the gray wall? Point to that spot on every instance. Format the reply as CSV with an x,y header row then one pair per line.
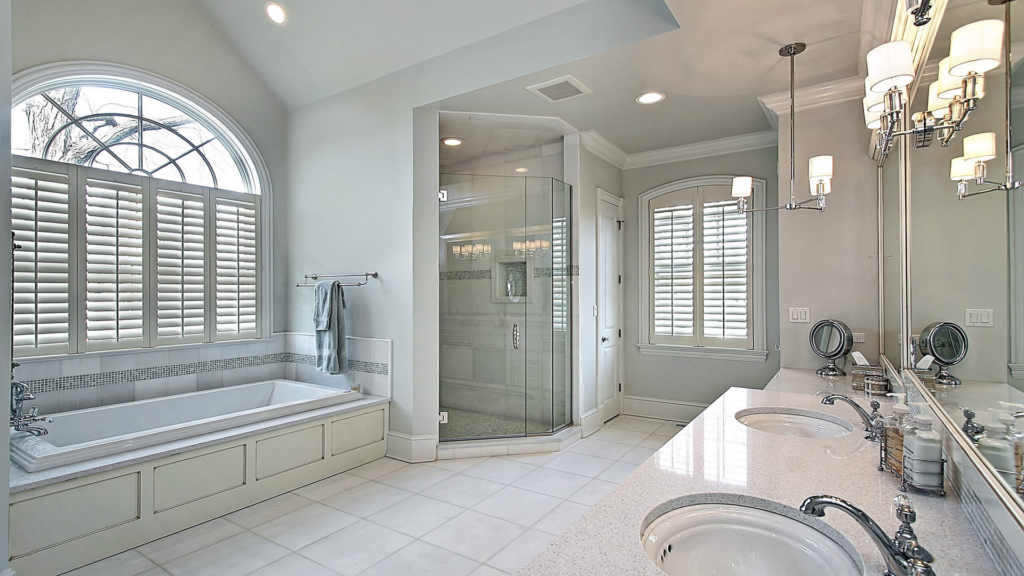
x,y
696,380
5,264
175,39
594,173
828,261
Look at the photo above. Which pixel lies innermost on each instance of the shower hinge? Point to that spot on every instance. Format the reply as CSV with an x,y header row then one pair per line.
x,y
442,417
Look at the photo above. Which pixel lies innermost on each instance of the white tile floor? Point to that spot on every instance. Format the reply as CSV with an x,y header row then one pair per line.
x,y
475,516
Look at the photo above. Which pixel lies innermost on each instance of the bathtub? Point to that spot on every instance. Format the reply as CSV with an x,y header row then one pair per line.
x,y
96,432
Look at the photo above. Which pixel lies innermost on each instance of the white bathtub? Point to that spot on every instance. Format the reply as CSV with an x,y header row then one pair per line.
x,y
96,432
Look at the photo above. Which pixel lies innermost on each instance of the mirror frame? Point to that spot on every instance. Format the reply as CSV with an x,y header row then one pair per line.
x,y
921,40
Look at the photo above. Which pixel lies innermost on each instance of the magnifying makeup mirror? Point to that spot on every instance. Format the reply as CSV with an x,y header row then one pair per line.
x,y
947,344
831,339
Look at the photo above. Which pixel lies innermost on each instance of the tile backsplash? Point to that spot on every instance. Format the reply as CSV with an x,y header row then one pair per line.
x,y
74,383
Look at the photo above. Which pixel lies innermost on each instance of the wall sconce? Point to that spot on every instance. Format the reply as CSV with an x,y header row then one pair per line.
x,y
820,166
471,251
531,247
974,49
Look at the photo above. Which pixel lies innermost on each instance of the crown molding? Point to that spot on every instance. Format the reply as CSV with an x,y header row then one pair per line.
x,y
807,98
604,148
732,144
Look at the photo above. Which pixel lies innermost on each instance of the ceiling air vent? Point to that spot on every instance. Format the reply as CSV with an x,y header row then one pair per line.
x,y
559,89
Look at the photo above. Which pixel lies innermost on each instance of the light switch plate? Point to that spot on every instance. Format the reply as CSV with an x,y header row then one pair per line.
x,y
980,317
858,336
800,315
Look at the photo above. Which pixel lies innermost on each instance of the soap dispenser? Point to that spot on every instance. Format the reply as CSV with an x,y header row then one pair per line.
x,y
922,449
999,450
1016,437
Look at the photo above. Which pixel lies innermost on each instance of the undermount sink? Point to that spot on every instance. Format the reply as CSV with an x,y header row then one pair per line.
x,y
794,422
739,540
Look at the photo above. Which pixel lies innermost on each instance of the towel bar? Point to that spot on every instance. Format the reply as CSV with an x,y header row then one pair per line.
x,y
366,278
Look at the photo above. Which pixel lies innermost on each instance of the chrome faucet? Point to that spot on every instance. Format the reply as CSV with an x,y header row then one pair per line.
x,y
20,421
973,430
872,422
903,555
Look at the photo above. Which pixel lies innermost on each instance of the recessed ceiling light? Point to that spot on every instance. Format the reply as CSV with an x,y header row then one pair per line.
x,y
451,141
521,170
650,98
275,12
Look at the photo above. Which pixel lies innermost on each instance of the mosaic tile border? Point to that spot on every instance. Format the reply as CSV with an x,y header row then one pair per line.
x,y
998,549
486,274
44,385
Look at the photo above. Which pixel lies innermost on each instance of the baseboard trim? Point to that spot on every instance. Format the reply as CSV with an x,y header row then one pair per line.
x,y
7,572
411,448
591,422
660,408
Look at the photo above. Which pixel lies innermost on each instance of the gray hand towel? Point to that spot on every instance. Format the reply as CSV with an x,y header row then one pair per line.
x,y
329,323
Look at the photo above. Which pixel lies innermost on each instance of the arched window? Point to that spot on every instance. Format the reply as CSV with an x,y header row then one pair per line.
x,y
136,208
128,126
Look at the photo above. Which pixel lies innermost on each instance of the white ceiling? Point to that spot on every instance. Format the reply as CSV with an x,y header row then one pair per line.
x,y
713,69
487,134
328,46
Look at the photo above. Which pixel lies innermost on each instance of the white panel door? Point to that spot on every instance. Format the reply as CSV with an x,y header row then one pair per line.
x,y
609,306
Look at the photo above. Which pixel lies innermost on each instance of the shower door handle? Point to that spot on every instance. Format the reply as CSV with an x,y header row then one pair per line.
x,y
515,336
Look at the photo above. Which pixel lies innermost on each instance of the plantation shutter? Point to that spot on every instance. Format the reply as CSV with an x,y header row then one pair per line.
x,y
672,268
180,260
114,254
726,271
43,224
237,266
560,274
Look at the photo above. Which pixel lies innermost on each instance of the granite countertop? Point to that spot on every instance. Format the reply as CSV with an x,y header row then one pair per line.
x,y
21,480
716,454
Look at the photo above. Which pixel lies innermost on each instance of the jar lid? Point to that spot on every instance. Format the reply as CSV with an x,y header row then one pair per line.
x,y
928,435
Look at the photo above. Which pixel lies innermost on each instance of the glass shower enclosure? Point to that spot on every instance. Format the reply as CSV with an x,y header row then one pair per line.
x,y
505,252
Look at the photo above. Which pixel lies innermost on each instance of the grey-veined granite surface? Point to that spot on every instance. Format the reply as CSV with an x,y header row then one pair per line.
x,y
716,454
21,480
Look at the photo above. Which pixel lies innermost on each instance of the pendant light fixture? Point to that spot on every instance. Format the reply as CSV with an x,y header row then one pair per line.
x,y
820,167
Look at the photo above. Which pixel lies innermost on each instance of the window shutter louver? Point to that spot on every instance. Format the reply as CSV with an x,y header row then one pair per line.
x,y
725,267
672,265
41,210
237,267
180,266
114,265
560,274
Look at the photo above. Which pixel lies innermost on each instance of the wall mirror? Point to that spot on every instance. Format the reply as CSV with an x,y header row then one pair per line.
x,y
964,257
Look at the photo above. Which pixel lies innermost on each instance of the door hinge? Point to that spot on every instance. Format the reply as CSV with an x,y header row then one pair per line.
x,y
620,333
620,278
620,386
442,417
619,222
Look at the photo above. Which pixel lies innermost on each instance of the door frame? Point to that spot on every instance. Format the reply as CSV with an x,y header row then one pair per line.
x,y
605,196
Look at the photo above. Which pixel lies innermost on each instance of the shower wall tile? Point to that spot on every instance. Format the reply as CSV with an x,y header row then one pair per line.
x,y
117,393
182,384
209,380
147,389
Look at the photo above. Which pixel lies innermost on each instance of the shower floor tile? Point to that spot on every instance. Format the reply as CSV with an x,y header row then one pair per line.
x,y
467,424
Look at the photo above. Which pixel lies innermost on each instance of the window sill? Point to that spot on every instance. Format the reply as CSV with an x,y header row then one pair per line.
x,y
122,351
729,354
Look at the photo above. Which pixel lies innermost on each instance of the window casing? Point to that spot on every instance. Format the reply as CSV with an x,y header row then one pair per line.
x,y
702,272
113,261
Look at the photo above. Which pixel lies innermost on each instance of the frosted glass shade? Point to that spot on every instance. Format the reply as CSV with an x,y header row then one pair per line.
x,y
890,66
949,86
960,169
874,101
980,147
742,186
872,120
820,167
976,47
937,105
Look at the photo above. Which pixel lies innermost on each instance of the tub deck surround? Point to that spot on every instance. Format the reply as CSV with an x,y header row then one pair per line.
x,y
715,454
84,434
21,480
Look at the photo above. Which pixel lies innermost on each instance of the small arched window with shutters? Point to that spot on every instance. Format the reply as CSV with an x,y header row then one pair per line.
x,y
137,215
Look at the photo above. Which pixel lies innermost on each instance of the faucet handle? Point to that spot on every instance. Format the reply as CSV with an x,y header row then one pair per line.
x,y
903,509
875,405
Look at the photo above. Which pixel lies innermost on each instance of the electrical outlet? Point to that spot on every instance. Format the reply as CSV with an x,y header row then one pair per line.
x,y
800,315
858,336
980,317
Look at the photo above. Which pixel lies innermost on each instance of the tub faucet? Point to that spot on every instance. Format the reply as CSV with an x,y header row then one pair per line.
x,y
20,421
903,555
872,422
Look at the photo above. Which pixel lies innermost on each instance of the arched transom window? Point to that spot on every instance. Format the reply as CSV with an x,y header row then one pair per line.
x,y
130,127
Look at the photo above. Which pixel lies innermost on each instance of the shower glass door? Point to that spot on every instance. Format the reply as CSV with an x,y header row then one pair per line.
x,y
505,306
